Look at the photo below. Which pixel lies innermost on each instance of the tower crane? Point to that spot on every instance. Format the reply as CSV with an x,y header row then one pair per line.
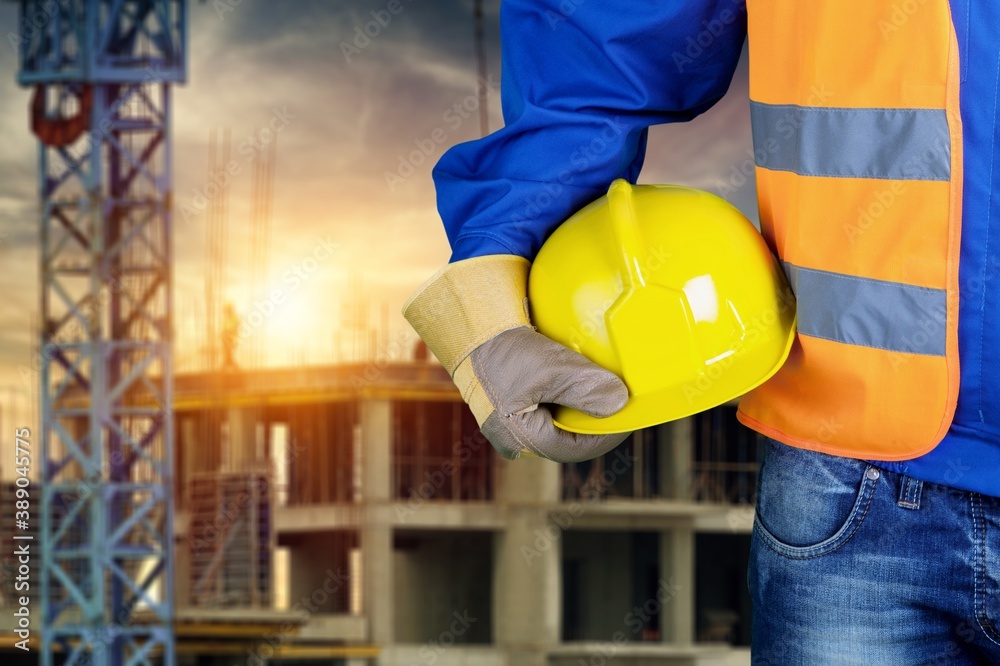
x,y
101,74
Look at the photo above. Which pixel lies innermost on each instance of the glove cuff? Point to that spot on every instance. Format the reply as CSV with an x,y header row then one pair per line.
x,y
468,302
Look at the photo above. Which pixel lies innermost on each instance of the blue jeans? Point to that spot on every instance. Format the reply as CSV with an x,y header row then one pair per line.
x,y
853,564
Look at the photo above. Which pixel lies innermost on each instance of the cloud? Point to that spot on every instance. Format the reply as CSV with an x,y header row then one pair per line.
x,y
352,123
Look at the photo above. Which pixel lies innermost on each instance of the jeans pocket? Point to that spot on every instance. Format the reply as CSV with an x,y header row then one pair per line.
x,y
809,504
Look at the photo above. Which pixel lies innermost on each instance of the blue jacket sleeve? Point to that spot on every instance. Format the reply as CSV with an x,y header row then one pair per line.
x,y
582,82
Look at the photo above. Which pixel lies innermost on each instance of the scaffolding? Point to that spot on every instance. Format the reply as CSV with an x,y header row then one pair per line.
x,y
434,455
231,540
726,459
722,460
10,575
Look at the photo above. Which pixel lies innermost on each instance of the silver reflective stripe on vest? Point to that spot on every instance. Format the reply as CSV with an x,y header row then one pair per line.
x,y
894,144
871,313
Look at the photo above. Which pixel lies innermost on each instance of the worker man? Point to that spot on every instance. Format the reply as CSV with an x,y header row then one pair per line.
x,y
877,532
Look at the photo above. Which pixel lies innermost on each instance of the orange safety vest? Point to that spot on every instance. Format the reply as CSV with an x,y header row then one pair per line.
x,y
858,139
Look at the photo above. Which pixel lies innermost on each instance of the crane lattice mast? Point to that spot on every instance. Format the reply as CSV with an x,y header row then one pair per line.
x,y
101,72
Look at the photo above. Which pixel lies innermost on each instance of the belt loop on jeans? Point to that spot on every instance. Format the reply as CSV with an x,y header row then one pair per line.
x,y
909,492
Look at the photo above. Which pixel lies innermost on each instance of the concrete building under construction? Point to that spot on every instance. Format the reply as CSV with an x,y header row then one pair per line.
x,y
353,514
340,514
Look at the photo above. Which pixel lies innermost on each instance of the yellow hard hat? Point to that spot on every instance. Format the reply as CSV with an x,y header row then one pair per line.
x,y
670,288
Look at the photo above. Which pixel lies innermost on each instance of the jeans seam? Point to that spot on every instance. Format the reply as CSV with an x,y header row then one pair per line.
x,y
839,539
909,495
980,587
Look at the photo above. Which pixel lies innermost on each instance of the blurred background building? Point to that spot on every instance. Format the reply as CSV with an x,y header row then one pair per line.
x,y
283,475
353,514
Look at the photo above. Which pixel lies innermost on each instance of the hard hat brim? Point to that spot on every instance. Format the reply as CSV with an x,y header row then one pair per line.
x,y
677,402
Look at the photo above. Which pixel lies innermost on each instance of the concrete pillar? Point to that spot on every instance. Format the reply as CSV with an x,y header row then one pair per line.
x,y
677,570
677,545
527,563
528,481
675,471
376,548
376,534
240,453
375,418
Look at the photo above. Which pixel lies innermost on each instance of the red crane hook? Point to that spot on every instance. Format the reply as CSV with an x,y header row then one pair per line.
x,y
59,131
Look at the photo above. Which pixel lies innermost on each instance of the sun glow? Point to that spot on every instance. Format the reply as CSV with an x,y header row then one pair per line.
x,y
282,325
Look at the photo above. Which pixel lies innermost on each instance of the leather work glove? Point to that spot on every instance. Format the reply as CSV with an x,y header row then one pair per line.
x,y
473,315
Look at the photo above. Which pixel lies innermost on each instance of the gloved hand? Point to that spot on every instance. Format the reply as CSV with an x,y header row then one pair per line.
x,y
473,315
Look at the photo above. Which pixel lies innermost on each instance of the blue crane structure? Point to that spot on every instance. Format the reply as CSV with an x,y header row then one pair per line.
x,y
102,72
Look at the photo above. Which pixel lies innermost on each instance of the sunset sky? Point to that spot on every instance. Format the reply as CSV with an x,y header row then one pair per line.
x,y
348,123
